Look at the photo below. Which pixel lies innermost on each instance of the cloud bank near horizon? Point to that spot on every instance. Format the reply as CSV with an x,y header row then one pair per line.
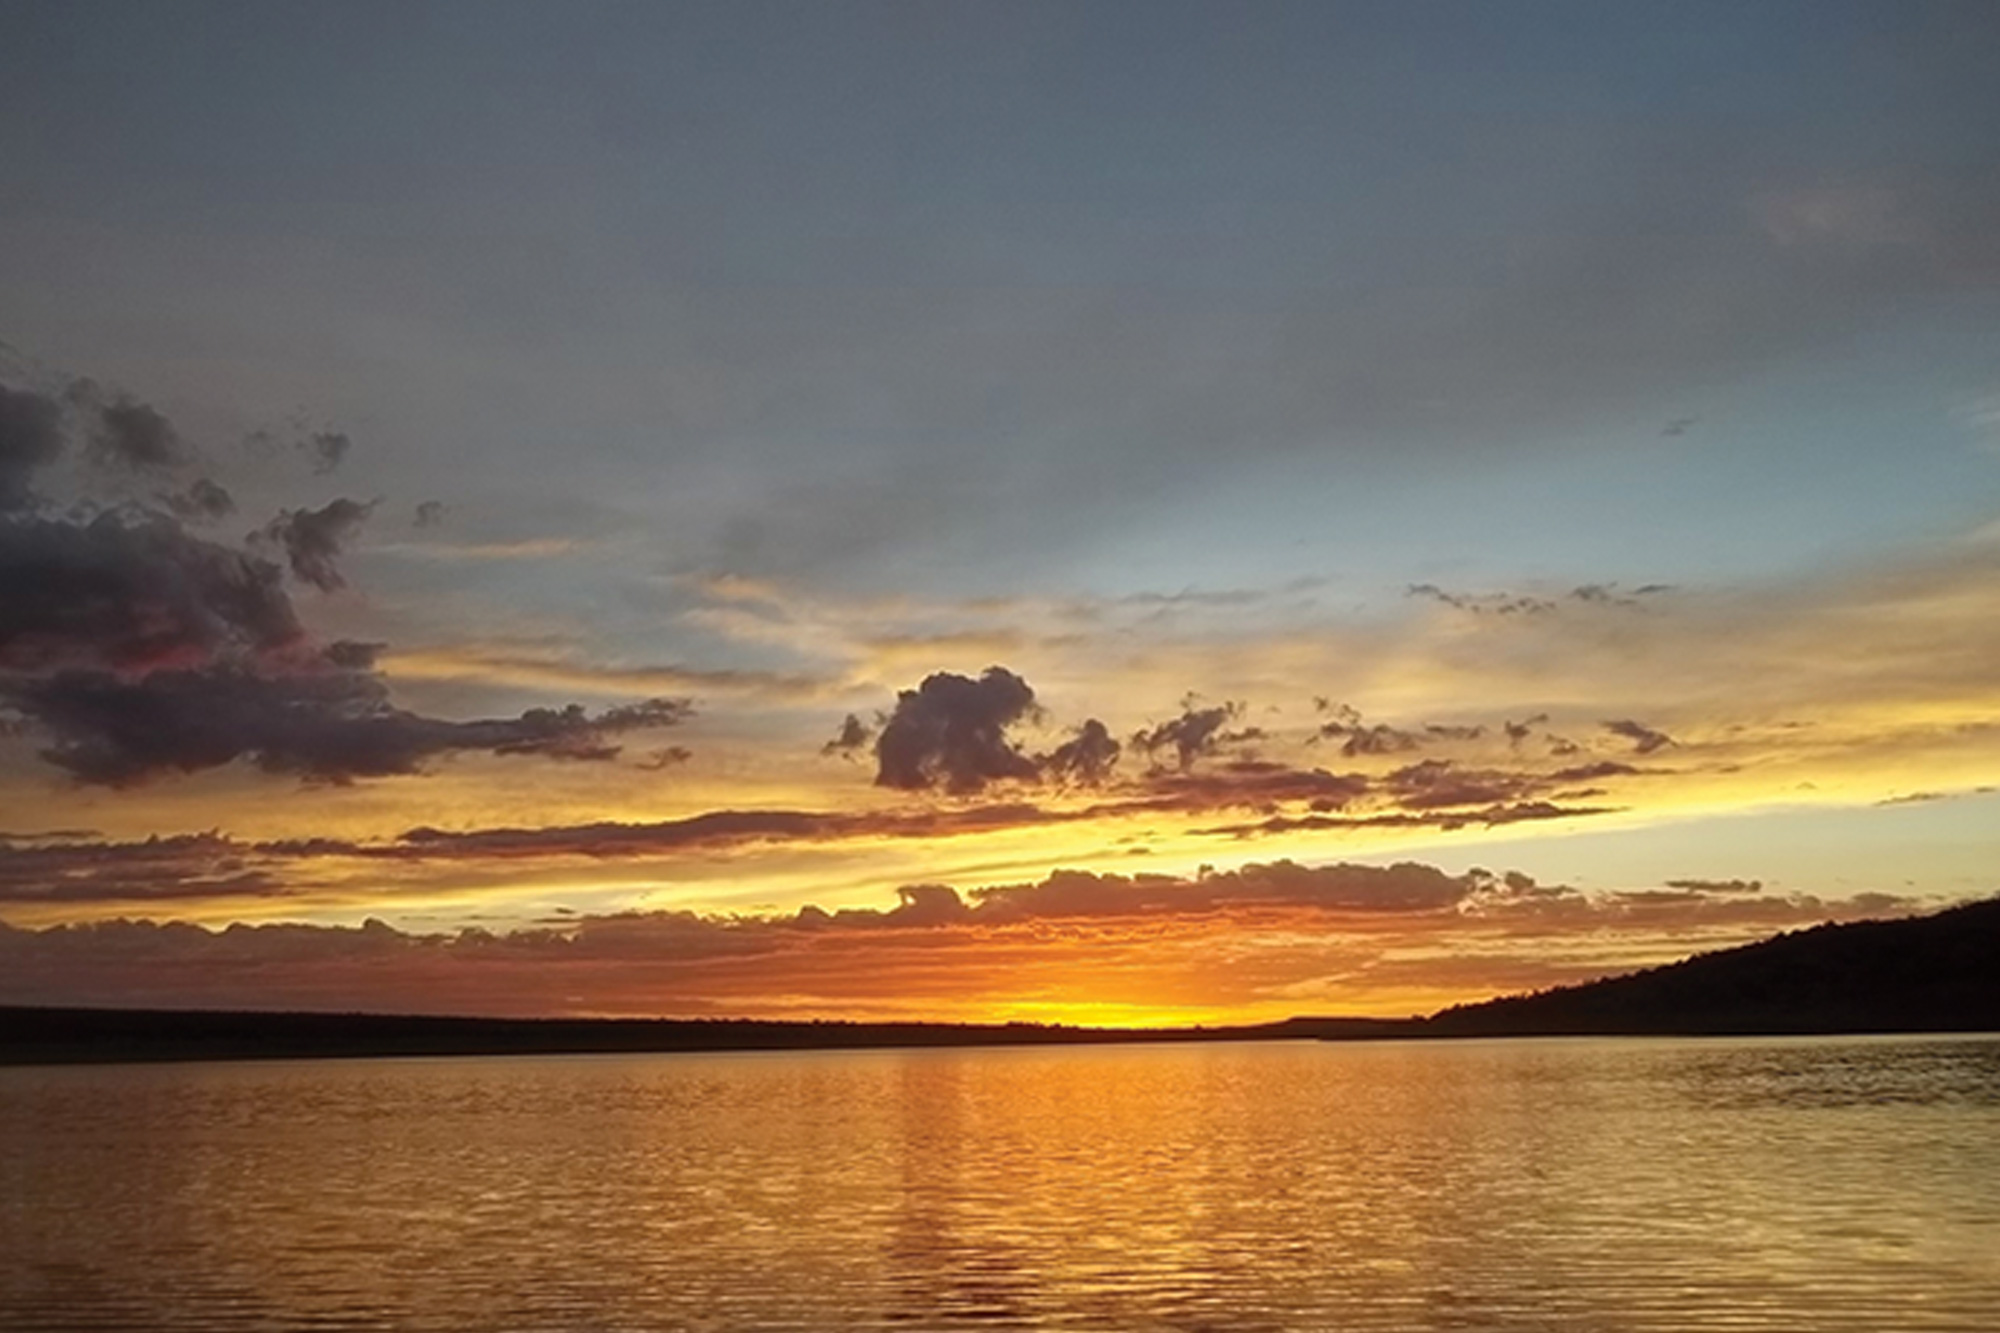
x,y
1262,940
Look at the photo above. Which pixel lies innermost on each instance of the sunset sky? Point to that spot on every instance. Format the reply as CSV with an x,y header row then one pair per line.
x,y
1110,512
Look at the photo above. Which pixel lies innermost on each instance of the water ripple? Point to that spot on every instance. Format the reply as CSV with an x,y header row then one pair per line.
x,y
1575,1186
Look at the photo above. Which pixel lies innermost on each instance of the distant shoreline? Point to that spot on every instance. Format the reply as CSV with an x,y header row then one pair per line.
x,y
38,1036
1932,974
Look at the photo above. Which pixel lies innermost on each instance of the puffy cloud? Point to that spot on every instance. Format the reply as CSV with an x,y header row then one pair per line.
x,y
852,738
1195,734
1086,758
312,539
951,732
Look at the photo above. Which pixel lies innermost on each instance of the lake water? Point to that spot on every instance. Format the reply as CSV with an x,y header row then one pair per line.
x,y
1519,1185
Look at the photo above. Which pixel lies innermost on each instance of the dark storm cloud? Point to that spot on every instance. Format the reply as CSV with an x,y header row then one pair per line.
x,y
129,590
1645,740
1086,758
951,732
31,438
327,725
429,514
313,539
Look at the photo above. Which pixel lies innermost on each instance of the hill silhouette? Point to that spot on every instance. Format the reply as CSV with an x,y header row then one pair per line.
x,y
1938,973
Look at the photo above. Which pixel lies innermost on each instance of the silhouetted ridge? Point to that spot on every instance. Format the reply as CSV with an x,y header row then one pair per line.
x,y
1937,973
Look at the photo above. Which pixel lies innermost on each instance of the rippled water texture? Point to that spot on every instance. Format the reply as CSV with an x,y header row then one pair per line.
x,y
1532,1185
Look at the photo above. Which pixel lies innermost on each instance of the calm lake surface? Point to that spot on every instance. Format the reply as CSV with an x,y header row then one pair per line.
x,y
1533,1185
